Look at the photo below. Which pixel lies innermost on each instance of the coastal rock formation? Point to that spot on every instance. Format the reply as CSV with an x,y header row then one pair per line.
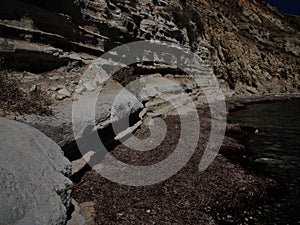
x,y
34,187
46,48
252,46
256,47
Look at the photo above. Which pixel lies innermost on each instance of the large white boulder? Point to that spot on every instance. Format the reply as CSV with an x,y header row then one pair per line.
x,y
34,188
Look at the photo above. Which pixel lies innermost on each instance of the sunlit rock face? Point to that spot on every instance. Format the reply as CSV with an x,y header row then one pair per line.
x,y
252,47
34,186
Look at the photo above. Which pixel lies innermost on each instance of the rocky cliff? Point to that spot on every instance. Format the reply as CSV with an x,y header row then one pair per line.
x,y
256,47
46,47
253,47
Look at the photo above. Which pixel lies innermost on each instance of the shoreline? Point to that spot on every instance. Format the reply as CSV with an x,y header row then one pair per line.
x,y
236,103
275,209
232,145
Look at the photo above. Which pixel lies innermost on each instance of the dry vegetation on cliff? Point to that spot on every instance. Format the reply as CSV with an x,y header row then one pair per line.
x,y
13,98
252,47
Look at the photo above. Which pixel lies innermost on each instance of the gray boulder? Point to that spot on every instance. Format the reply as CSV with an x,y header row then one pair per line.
x,y
34,188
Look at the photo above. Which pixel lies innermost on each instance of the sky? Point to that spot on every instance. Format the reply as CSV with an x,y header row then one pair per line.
x,y
289,6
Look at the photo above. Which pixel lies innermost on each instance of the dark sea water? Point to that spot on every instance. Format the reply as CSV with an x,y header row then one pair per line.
x,y
275,153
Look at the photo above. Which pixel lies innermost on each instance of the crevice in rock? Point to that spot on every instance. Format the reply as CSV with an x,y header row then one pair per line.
x,y
31,61
76,177
107,136
70,210
36,36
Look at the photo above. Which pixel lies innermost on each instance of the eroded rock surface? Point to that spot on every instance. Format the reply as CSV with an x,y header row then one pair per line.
x,y
34,187
250,46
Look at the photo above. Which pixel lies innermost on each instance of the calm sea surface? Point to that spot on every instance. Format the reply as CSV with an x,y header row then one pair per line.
x,y
275,153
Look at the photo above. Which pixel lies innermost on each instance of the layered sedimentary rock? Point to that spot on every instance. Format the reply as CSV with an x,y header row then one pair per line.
x,y
250,46
254,47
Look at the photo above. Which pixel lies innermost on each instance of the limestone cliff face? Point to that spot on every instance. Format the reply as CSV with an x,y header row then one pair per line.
x,y
251,46
256,47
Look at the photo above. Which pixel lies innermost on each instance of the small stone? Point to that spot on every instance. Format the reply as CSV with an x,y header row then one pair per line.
x,y
207,208
33,88
55,54
120,214
63,93
148,211
54,78
53,88
56,88
29,78
59,97
74,82
71,76
2,113
19,118
60,87
88,86
80,90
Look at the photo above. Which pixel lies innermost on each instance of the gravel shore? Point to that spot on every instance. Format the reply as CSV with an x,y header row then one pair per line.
x,y
219,195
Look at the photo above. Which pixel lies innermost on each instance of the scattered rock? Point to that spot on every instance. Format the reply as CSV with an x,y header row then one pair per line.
x,y
88,86
29,78
79,90
62,94
54,78
2,113
33,88
54,88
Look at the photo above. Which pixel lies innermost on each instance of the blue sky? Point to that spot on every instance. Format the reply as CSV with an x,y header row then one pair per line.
x,y
289,6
